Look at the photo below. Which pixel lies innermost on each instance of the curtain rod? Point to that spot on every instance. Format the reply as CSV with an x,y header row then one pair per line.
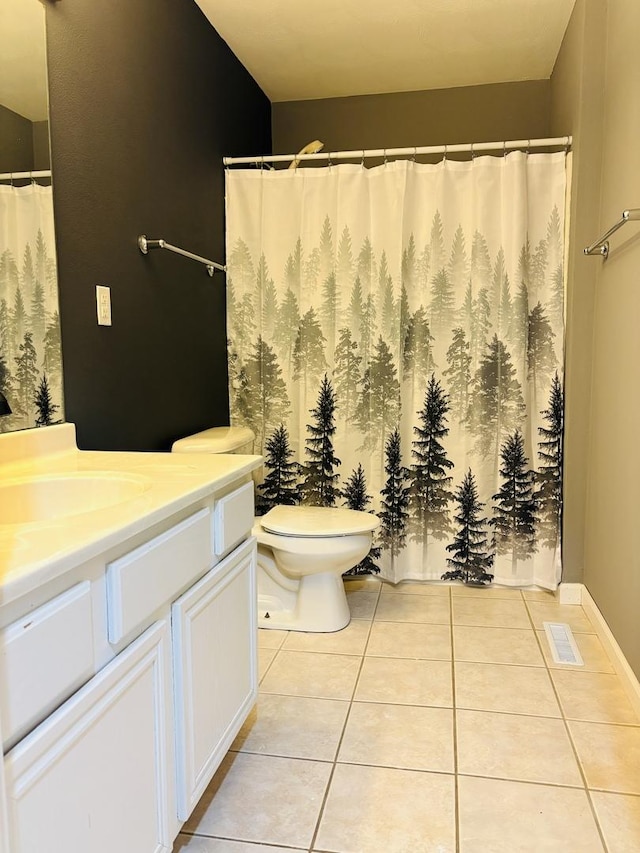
x,y
471,147
20,176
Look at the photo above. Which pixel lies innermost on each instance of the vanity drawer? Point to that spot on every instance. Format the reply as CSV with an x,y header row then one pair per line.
x,y
233,519
44,658
156,572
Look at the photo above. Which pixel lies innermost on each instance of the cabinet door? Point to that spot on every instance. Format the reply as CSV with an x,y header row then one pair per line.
x,y
94,776
215,670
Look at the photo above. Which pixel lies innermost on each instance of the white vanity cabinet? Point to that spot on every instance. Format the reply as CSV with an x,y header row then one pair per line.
x,y
214,620
124,688
94,776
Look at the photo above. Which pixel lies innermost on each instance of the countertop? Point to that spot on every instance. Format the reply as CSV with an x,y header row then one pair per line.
x,y
36,553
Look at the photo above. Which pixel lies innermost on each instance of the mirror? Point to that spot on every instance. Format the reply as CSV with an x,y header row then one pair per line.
x,y
30,349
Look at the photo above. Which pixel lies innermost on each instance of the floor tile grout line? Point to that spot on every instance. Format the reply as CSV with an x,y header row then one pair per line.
x,y
316,830
574,749
454,724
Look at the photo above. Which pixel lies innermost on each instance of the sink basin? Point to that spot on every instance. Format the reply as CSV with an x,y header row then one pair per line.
x,y
37,499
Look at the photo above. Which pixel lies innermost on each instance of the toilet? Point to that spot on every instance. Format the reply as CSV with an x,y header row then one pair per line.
x,y
303,551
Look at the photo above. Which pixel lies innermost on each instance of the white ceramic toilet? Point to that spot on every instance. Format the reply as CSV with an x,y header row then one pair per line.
x,y
302,551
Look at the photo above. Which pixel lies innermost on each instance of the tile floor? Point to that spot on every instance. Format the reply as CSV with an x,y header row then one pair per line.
x,y
379,739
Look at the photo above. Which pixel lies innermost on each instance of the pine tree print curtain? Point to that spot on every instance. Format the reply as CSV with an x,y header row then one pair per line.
x,y
395,341
30,348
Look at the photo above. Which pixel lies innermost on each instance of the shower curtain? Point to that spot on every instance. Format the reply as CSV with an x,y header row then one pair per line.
x,y
30,348
395,341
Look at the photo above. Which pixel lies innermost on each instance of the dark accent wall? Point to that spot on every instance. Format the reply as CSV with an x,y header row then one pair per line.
x,y
16,142
41,157
434,117
145,99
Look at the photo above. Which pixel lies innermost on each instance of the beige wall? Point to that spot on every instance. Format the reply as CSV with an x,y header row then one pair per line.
x,y
612,564
576,108
595,94
438,116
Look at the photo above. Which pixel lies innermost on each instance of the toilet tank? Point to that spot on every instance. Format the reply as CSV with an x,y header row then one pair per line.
x,y
224,439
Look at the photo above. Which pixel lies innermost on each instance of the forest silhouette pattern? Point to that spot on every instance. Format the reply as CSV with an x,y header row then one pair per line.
x,y
30,345
482,356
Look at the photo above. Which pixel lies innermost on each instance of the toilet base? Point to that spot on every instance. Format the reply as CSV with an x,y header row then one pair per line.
x,y
318,604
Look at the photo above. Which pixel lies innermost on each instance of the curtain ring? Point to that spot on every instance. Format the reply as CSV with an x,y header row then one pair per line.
x,y
415,153
473,156
528,146
362,161
504,149
384,156
444,156
11,184
329,161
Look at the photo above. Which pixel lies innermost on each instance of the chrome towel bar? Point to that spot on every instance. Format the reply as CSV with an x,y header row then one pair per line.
x,y
145,245
601,246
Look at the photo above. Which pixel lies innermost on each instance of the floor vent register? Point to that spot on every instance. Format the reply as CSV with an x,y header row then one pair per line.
x,y
562,643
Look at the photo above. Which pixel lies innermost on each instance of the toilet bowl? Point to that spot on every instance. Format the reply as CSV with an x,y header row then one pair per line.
x,y
303,551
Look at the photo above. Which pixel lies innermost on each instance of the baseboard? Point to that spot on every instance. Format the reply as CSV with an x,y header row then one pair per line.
x,y
625,673
570,593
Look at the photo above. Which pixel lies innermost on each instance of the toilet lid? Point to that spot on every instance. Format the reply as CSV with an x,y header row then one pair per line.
x,y
316,521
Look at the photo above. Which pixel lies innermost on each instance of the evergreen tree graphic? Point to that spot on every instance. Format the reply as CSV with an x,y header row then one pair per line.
x,y
417,352
241,267
520,328
514,511
459,374
470,558
38,316
495,296
356,497
344,262
308,351
288,318
556,300
262,396
326,251
44,405
408,266
266,299
6,386
430,495
320,485
280,486
442,304
312,272
52,358
26,376
18,321
506,311
330,309
378,408
549,475
458,269
9,275
356,309
28,273
480,325
423,268
367,328
293,268
497,406
367,266
541,359
387,302
404,314
346,373
394,513
480,262
436,243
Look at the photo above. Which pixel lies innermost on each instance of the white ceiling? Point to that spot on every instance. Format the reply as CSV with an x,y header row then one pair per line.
x,y
334,48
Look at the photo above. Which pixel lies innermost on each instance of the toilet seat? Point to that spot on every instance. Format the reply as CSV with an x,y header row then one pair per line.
x,y
317,522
